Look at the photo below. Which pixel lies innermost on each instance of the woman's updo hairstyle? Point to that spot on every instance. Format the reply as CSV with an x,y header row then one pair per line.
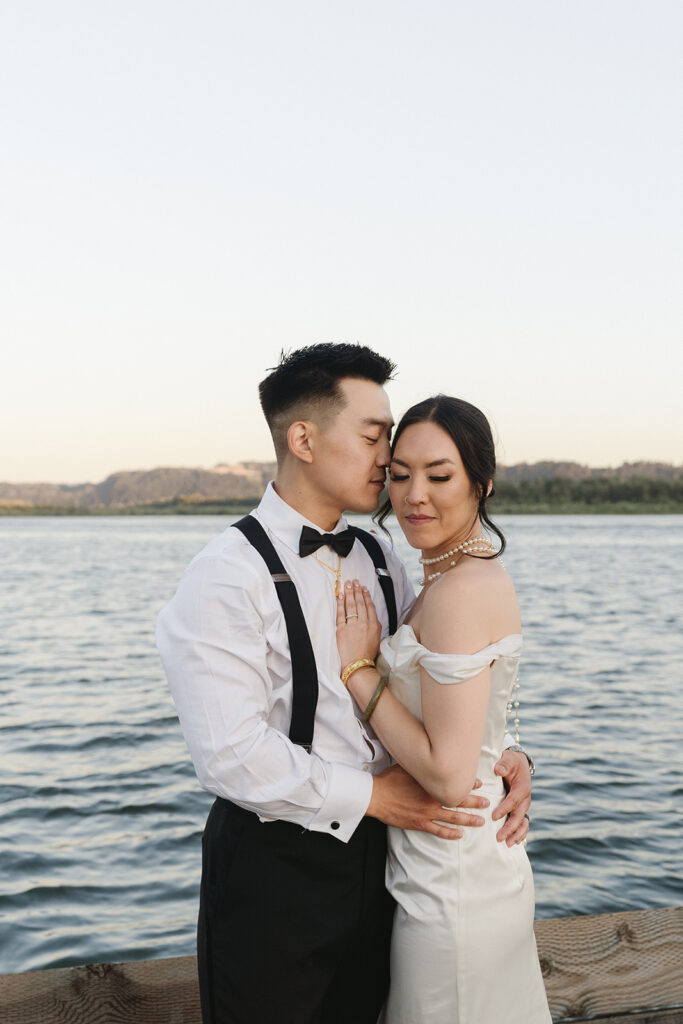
x,y
471,434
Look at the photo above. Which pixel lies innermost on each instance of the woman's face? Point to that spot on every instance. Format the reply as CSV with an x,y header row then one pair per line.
x,y
432,496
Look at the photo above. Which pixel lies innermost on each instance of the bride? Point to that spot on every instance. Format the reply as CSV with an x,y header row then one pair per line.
x,y
463,948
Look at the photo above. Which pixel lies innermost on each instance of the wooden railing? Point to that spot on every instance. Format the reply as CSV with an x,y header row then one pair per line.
x,y
622,968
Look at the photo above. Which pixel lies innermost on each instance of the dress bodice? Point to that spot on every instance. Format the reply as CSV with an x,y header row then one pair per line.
x,y
402,656
463,948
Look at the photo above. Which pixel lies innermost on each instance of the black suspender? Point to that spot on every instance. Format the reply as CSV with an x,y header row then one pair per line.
x,y
374,549
304,671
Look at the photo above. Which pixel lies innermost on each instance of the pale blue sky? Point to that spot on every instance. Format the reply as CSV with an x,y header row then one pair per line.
x,y
487,192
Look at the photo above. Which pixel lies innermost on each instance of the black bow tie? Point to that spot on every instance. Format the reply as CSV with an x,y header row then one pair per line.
x,y
310,540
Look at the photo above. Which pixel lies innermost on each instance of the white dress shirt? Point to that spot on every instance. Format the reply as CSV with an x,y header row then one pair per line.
x,y
223,642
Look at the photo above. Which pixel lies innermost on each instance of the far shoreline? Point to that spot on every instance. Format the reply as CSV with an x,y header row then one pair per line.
x,y
175,508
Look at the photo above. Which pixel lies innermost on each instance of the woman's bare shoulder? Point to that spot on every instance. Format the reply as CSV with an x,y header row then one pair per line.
x,y
475,600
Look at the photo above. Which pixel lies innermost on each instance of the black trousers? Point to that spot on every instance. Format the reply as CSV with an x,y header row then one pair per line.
x,y
294,926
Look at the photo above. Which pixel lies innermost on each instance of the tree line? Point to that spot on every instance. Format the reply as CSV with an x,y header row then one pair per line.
x,y
594,491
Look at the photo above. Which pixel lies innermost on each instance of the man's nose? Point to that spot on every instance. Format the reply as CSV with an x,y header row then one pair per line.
x,y
384,455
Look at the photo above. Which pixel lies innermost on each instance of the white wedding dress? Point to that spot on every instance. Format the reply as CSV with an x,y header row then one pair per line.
x,y
463,948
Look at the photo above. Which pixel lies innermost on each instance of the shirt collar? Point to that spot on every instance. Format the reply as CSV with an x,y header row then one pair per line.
x,y
285,522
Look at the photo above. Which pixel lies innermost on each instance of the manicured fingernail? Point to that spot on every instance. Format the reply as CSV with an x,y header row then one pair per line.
x,y
366,590
356,583
348,586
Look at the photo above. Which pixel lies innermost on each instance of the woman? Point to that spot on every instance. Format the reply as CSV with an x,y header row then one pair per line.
x,y
463,948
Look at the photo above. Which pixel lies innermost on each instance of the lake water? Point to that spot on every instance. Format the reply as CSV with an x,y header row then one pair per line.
x,y
101,815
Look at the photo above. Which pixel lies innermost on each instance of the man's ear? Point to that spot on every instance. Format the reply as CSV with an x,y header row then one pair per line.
x,y
300,438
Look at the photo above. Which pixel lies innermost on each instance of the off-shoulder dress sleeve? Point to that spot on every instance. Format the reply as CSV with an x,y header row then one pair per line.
x,y
409,653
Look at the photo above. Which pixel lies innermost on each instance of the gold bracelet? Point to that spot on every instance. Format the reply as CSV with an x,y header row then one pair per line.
x,y
354,666
381,686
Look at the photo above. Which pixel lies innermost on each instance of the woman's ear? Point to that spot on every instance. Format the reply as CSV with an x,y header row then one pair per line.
x,y
489,488
299,437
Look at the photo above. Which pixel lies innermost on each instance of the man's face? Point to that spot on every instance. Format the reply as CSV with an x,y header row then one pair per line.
x,y
351,454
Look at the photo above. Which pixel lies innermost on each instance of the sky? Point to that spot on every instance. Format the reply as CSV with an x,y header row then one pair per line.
x,y
486,192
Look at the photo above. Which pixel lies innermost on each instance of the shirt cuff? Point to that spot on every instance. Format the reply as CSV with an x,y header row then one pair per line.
x,y
348,797
509,741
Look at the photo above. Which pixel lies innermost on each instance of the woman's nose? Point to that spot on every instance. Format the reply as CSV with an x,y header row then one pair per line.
x,y
415,495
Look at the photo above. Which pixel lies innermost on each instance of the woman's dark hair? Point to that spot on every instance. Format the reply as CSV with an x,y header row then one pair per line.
x,y
471,434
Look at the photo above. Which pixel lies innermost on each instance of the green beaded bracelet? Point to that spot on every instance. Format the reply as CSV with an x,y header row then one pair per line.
x,y
365,717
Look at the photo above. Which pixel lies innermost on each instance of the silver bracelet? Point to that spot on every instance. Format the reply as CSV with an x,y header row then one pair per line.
x,y
532,766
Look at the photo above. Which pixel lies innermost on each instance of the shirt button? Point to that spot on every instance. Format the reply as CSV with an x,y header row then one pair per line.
x,y
335,825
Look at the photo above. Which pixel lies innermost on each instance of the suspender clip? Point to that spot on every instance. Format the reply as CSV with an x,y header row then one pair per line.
x,y
281,577
382,572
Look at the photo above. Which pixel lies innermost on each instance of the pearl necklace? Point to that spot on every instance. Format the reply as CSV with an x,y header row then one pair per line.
x,y
478,545
465,547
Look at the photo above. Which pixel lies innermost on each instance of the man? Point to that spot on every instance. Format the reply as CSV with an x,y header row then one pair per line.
x,y
294,918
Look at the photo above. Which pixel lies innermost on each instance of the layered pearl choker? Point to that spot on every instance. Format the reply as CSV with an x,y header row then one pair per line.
x,y
474,546
466,547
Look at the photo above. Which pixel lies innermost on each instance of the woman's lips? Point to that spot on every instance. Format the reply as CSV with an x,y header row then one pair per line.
x,y
418,520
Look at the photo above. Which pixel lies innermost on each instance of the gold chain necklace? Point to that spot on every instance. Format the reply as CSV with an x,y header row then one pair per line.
x,y
337,572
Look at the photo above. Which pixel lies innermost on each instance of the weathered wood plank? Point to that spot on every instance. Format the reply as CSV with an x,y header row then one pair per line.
x,y
597,968
143,992
608,964
652,1017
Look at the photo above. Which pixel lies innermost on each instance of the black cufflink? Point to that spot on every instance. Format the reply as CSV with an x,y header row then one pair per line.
x,y
335,825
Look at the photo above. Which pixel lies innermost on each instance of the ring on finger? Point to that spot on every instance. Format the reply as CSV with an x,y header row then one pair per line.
x,y
353,615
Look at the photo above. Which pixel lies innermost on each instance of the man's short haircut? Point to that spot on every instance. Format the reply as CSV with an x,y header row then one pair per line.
x,y
305,384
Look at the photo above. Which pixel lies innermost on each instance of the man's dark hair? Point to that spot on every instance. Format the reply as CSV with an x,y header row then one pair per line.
x,y
305,384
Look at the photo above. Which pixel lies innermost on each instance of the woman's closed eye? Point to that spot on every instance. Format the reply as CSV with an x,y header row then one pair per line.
x,y
435,479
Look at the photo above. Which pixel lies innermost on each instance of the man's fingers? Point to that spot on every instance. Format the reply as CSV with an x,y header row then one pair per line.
x,y
514,831
442,831
512,805
457,817
474,800
507,806
510,827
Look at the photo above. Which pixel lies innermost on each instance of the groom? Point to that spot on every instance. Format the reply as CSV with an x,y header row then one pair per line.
x,y
295,922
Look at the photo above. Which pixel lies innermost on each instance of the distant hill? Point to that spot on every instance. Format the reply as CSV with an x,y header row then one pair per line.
x,y
246,481
141,487
575,471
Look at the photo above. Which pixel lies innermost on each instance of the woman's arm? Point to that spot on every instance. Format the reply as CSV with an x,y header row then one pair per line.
x,y
442,752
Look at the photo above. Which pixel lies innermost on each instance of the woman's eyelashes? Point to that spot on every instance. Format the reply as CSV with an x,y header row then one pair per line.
x,y
435,479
